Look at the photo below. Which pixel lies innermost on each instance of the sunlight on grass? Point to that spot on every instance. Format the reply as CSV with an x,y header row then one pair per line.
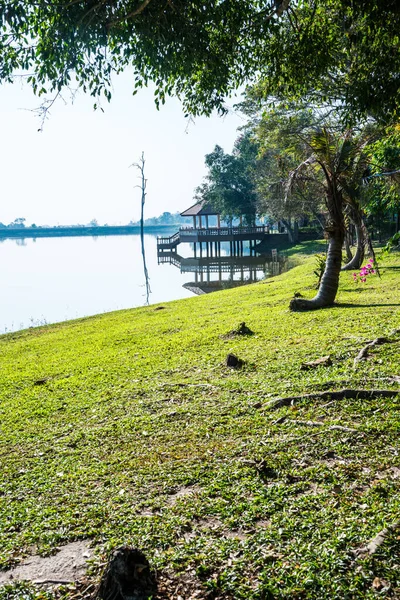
x,y
129,428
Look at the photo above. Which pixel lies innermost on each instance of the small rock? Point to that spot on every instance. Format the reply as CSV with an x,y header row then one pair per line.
x,y
257,405
324,361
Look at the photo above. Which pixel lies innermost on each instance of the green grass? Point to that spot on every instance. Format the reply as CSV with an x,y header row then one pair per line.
x,y
142,435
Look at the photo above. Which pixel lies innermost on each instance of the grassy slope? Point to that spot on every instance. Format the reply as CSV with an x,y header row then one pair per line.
x,y
141,435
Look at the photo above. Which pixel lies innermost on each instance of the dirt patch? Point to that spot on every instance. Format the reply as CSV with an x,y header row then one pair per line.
x,y
66,566
183,492
212,525
186,586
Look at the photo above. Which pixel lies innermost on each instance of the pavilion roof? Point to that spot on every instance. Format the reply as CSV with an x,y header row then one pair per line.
x,y
200,208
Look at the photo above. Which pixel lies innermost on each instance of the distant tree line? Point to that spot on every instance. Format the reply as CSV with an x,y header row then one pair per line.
x,y
166,218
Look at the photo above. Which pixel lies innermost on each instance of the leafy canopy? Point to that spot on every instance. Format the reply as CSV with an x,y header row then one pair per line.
x,y
200,51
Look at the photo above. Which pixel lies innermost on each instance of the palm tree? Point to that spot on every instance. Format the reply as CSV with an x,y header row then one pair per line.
x,y
338,163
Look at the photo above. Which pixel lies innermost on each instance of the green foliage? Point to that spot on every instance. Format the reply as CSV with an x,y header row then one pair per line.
x,y
280,135
229,184
141,435
383,190
337,50
392,243
320,264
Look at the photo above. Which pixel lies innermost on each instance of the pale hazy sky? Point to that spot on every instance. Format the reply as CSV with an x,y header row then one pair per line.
x,y
77,169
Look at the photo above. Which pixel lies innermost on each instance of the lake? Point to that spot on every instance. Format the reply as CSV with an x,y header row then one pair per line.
x,y
46,280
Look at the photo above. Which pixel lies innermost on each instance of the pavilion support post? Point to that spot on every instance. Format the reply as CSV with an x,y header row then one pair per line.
x,y
241,247
194,221
219,221
201,249
206,221
194,248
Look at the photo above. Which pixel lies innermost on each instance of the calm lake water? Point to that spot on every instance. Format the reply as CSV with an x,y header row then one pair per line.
x,y
55,279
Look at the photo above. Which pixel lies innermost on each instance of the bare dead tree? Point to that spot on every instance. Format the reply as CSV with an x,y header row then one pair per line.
x,y
143,184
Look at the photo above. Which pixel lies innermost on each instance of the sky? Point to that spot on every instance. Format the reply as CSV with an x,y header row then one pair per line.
x,y
78,168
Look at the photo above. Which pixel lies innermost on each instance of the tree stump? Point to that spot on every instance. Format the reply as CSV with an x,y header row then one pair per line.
x,y
127,576
234,362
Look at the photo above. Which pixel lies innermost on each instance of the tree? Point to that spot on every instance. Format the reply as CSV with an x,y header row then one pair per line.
x,y
281,148
143,185
17,223
342,161
229,185
202,50
384,174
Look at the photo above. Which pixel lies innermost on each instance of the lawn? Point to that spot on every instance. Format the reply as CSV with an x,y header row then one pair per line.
x,y
129,428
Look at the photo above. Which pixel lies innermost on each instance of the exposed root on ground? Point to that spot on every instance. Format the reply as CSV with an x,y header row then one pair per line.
x,y
317,424
333,395
377,541
362,355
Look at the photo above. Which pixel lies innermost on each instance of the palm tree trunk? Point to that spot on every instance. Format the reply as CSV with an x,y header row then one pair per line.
x,y
330,280
347,245
357,260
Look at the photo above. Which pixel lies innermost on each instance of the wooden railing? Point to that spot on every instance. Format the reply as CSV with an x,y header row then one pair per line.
x,y
173,239
222,231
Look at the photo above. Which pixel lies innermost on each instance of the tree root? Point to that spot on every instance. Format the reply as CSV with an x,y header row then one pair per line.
x,y
303,304
316,424
377,541
362,355
335,395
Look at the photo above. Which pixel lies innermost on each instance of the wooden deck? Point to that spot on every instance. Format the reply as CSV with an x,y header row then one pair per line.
x,y
213,235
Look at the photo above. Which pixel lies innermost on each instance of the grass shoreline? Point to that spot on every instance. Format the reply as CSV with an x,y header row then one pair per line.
x,y
140,434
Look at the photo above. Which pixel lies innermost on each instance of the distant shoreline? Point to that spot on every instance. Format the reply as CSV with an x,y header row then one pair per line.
x,y
42,232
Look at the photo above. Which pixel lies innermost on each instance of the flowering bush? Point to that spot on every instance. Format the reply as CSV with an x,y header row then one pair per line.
x,y
368,269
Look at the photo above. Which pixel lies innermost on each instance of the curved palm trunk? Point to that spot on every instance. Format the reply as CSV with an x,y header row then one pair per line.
x,y
347,247
357,260
330,280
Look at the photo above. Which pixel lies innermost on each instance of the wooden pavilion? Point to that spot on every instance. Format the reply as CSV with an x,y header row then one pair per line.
x,y
211,237
199,211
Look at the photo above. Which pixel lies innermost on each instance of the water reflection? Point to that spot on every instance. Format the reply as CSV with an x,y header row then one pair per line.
x,y
223,272
55,279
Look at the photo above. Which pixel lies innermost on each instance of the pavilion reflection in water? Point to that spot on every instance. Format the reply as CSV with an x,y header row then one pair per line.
x,y
216,273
